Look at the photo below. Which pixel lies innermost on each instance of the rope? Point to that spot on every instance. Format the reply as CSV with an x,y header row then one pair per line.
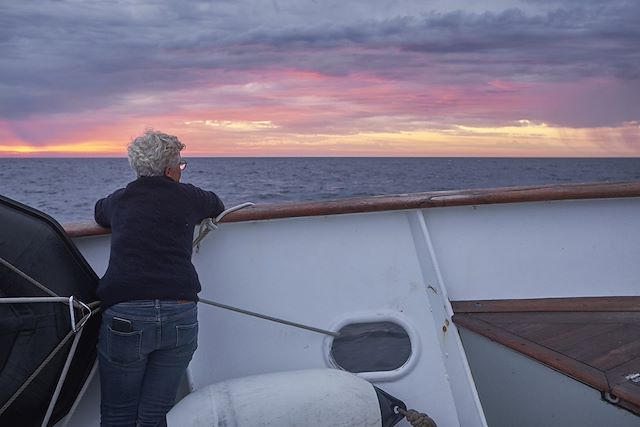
x,y
273,319
29,279
210,224
206,226
44,363
417,419
75,328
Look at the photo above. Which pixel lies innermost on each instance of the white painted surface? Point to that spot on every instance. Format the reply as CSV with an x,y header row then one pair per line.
x,y
565,248
468,404
319,398
322,271
316,271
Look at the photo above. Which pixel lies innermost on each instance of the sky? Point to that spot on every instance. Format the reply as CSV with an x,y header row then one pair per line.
x,y
514,78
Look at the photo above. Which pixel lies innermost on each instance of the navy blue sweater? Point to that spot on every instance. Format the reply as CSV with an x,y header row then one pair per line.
x,y
152,222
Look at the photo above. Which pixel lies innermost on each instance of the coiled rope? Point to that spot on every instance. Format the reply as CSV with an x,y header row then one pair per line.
x,y
209,224
417,419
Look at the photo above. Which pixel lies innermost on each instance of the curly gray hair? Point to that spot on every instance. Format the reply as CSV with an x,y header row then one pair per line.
x,y
150,154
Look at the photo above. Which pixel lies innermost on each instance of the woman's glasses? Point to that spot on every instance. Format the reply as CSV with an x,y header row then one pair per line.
x,y
182,165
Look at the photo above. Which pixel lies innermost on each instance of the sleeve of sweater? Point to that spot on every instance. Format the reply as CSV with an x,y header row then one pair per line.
x,y
104,208
206,203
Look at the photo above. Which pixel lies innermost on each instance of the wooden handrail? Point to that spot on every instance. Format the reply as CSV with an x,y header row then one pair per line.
x,y
545,305
410,201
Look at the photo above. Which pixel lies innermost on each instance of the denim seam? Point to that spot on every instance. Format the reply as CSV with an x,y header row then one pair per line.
x,y
183,329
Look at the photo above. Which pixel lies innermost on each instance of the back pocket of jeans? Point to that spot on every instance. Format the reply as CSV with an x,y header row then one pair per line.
x,y
187,337
124,347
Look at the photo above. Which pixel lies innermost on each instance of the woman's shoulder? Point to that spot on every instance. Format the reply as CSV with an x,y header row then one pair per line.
x,y
188,187
194,191
115,195
206,201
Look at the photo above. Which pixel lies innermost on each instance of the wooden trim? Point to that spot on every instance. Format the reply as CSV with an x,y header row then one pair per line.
x,y
413,201
85,229
623,388
586,304
628,394
566,365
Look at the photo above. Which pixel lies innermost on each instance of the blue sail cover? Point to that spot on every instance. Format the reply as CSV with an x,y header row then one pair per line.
x,y
38,246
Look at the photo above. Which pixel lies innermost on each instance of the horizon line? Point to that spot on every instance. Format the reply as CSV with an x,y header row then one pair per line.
x,y
13,157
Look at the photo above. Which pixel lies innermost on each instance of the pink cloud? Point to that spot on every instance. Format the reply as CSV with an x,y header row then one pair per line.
x,y
299,105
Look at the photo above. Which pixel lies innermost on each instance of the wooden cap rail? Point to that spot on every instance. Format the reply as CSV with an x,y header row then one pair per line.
x,y
545,305
410,201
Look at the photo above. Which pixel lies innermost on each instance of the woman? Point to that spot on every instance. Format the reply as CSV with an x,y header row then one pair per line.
x,y
149,291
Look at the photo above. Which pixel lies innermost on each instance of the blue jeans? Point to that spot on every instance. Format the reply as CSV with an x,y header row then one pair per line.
x,y
141,370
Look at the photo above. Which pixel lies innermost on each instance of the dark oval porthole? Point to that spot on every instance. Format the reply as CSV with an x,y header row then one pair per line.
x,y
371,347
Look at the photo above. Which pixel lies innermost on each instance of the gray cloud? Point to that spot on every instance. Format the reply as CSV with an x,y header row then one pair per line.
x,y
82,55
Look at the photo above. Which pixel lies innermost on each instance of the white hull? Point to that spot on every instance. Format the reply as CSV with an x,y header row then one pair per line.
x,y
403,266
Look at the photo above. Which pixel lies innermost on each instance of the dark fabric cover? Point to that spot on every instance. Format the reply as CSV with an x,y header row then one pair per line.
x,y
37,245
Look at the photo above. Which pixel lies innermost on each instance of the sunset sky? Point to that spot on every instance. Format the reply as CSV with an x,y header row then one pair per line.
x,y
322,78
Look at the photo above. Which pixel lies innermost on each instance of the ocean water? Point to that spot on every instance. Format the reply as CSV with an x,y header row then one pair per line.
x,y
67,189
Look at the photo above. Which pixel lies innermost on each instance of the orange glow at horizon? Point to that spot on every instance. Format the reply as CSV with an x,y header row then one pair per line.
x,y
89,148
309,114
257,139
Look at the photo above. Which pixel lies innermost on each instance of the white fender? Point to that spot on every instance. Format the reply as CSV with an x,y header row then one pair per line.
x,y
323,397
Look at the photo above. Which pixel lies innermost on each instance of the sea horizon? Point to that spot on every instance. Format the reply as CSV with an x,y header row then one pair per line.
x,y
67,187
124,156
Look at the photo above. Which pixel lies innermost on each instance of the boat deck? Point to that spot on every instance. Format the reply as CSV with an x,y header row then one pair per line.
x,y
594,340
